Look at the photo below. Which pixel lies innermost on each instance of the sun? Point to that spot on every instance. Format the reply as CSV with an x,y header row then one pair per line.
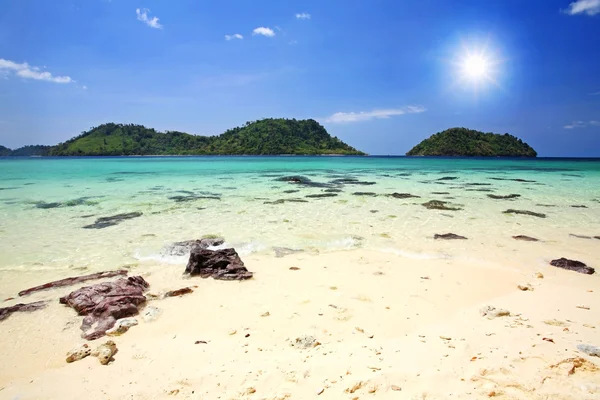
x,y
475,67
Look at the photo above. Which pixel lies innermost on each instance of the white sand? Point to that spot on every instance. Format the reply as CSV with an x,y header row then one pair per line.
x,y
379,322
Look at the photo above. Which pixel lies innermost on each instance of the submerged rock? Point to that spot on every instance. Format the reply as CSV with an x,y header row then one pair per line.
x,y
183,248
439,205
448,178
193,197
438,193
351,181
291,191
448,236
508,196
572,265
301,180
525,238
525,212
405,195
223,264
284,251
332,190
579,236
371,194
579,206
104,303
321,195
113,220
281,201
29,307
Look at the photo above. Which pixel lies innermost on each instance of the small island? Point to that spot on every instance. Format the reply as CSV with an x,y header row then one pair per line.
x,y
471,143
264,137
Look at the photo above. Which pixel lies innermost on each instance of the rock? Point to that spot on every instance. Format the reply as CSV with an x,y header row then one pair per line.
x,y
305,342
232,332
448,178
105,352
301,181
508,196
371,194
492,312
266,314
79,353
179,292
525,238
396,388
439,205
291,191
525,287
184,248
579,236
448,236
579,206
525,212
121,326
223,264
294,268
192,197
104,303
29,307
539,275
281,201
588,349
150,313
572,265
320,391
321,195
351,181
405,195
73,281
597,237
332,190
284,251
105,222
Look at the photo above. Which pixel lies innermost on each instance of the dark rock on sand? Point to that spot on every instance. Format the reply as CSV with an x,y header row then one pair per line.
x,y
376,211
105,222
597,237
579,236
448,236
224,264
7,311
525,238
404,195
439,205
371,194
73,281
184,248
179,292
508,196
285,251
321,195
525,212
104,303
572,265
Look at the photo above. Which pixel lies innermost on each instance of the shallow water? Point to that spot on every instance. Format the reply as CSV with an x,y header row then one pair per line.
x,y
45,203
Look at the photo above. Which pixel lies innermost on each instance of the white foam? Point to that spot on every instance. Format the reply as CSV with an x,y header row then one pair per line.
x,y
414,255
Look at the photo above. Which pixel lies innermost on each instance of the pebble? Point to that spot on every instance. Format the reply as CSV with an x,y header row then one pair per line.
x,y
525,287
79,353
105,351
232,332
121,326
320,391
396,388
150,313
539,275
266,314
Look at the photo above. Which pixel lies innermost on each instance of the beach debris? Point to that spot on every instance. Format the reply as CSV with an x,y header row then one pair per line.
x,y
266,314
548,340
294,268
28,307
355,387
305,342
582,306
200,342
445,338
448,236
493,312
232,332
121,326
179,292
500,197
113,220
579,236
105,352
185,247
79,353
588,349
285,251
577,363
104,303
555,322
524,212
320,391
396,388
406,195
525,287
439,205
572,265
222,264
525,238
73,281
150,313
539,275
250,390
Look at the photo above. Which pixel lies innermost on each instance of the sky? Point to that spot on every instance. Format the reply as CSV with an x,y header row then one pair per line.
x,y
381,75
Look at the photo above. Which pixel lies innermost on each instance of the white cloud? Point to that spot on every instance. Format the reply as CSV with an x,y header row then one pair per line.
x,y
26,71
84,87
234,36
589,7
345,117
142,15
581,124
268,32
303,16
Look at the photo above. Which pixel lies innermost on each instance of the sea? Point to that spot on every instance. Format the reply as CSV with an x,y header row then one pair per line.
x,y
101,213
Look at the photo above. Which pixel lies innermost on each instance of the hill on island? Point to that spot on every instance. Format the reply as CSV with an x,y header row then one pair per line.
x,y
264,137
471,143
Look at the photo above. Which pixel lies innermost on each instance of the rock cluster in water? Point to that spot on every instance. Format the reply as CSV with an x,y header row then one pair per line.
x,y
113,220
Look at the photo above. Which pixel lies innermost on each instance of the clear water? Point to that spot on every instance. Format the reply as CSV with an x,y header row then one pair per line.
x,y
35,235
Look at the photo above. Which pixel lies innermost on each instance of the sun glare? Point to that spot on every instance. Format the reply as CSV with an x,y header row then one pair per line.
x,y
475,67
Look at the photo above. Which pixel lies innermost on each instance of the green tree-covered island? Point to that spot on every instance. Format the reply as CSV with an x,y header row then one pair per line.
x,y
470,143
264,137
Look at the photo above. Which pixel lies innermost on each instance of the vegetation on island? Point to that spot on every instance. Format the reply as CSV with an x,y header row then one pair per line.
x,y
264,137
468,142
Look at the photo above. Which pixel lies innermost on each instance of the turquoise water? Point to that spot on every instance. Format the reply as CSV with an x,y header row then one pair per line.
x,y
45,203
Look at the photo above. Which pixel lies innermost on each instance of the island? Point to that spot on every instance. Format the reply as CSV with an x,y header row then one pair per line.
x,y
471,143
264,137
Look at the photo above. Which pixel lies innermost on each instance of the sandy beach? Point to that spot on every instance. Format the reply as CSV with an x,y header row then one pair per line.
x,y
385,327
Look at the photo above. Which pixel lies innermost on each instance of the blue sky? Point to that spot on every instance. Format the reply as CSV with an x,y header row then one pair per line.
x,y
380,75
